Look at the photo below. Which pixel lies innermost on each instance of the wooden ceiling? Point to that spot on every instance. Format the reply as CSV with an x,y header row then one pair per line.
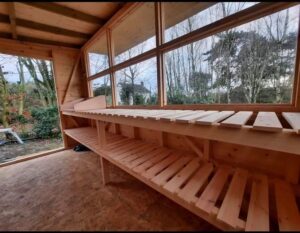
x,y
68,24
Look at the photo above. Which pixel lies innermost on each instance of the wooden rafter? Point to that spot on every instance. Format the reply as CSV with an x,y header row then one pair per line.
x,y
48,42
52,29
66,11
12,19
43,27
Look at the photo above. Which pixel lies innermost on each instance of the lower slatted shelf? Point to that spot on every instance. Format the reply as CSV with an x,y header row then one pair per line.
x,y
229,198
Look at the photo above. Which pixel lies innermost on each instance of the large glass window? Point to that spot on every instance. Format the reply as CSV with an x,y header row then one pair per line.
x,y
184,17
98,56
136,34
102,86
137,84
252,63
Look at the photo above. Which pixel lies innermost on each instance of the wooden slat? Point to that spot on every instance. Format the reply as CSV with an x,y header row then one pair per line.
x,y
165,114
195,183
174,184
142,167
214,118
153,171
287,210
267,121
194,117
138,154
117,143
237,120
155,113
293,118
213,190
131,151
146,157
179,114
230,208
124,148
166,174
258,213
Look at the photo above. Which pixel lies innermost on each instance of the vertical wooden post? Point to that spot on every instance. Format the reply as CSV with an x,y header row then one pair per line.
x,y
296,91
111,56
102,142
207,150
159,27
162,138
292,170
136,132
105,167
116,128
101,133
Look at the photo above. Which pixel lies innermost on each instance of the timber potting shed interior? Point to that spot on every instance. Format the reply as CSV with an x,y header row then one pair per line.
x,y
229,165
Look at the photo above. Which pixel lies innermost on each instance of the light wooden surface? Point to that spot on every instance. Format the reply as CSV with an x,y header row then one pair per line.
x,y
230,208
192,118
267,121
287,211
258,214
237,120
286,141
214,118
69,24
293,118
198,186
97,102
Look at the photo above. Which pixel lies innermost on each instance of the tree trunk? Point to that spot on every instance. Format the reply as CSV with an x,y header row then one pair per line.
x,y
4,98
20,69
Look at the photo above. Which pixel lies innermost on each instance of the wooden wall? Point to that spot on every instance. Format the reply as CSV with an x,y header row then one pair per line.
x,y
70,85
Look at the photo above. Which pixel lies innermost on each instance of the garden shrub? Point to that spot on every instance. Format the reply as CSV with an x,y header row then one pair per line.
x,y
46,122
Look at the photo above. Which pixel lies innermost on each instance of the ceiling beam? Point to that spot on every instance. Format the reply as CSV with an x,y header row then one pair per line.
x,y
48,42
5,35
44,27
52,29
12,19
66,11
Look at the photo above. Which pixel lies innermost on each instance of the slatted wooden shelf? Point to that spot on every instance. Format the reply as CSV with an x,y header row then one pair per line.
x,y
217,194
225,126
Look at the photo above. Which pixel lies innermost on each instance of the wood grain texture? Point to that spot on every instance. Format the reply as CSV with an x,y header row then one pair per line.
x,y
293,118
237,120
267,121
214,118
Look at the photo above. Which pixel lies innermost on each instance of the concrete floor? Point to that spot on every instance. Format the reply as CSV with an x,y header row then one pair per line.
x,y
63,191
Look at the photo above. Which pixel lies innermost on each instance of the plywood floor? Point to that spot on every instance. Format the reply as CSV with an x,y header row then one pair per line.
x,y
63,191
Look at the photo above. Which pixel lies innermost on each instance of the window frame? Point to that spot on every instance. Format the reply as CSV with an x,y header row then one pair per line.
x,y
252,13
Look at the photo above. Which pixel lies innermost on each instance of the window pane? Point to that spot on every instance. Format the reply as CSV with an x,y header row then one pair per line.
x,y
184,17
102,86
252,63
136,34
98,56
137,84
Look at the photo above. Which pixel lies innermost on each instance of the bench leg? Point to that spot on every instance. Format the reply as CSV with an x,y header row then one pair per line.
x,y
17,137
104,170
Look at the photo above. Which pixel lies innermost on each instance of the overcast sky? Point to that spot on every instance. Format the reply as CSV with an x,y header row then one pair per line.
x,y
9,64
